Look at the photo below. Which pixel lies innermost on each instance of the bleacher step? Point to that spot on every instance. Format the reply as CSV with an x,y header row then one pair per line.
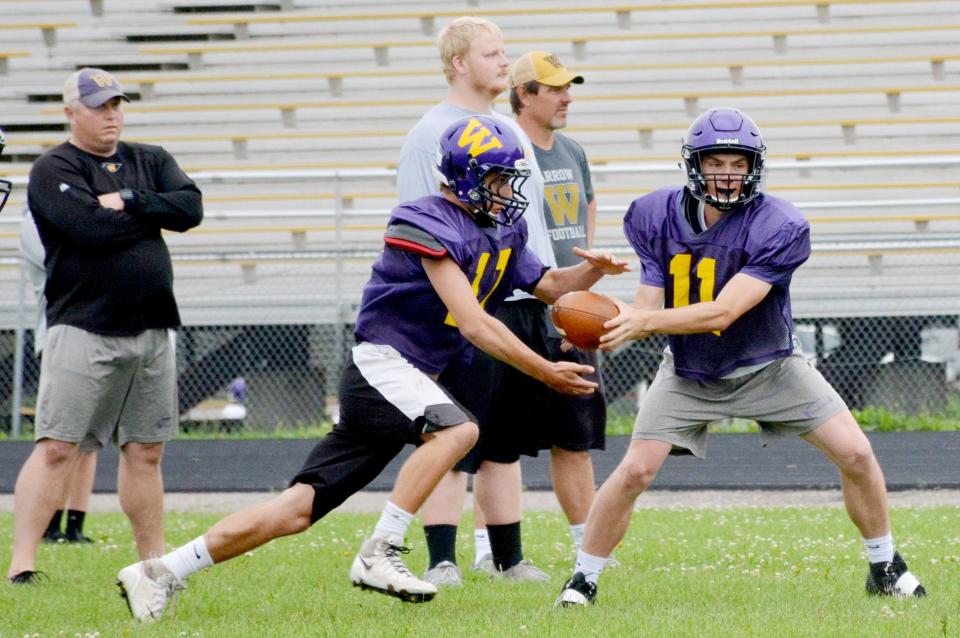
x,y
256,7
120,67
47,98
35,127
178,37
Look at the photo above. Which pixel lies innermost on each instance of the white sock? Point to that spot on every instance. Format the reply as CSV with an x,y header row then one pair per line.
x,y
188,559
879,550
576,533
393,522
590,566
482,543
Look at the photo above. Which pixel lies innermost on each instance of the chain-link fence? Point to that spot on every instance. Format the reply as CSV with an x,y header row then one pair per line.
x,y
265,374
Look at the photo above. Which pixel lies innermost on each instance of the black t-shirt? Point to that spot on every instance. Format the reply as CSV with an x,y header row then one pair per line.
x,y
109,271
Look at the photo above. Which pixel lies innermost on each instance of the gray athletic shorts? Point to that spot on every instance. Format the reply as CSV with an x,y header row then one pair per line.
x,y
94,388
788,397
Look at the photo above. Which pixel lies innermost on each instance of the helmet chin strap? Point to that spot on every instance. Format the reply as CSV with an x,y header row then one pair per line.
x,y
480,216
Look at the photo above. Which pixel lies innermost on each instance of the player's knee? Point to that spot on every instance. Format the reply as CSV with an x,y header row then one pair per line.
x,y
145,455
858,460
636,475
295,523
56,453
293,510
465,436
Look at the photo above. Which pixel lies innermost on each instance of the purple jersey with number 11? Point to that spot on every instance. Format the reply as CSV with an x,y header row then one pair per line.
x,y
400,307
767,239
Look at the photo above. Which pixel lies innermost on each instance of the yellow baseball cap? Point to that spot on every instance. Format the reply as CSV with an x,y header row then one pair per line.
x,y
543,67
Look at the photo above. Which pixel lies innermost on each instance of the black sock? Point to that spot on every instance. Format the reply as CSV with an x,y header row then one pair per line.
x,y
75,521
441,543
54,525
506,545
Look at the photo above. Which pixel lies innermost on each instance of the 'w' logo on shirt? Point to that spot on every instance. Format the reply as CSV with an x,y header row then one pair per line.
x,y
563,201
479,138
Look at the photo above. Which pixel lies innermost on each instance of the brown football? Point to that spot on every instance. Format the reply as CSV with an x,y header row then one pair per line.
x,y
580,315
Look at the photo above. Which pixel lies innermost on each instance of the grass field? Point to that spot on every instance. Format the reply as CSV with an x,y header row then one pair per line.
x,y
686,572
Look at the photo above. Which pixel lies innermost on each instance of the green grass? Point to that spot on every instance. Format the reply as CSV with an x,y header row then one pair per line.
x,y
733,572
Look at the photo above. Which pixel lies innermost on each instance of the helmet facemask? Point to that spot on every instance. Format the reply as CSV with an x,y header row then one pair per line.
x,y
482,198
5,188
722,131
698,181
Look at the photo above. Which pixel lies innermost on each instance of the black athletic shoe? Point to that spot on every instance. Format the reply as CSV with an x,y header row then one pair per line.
x,y
577,592
27,578
54,536
74,536
893,579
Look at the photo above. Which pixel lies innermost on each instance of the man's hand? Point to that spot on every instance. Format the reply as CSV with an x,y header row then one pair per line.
x,y
565,377
630,325
604,263
111,200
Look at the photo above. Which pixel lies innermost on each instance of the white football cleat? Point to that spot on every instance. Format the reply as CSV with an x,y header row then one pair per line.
x,y
148,586
378,567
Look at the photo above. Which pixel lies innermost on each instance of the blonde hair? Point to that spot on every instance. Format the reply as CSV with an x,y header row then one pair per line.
x,y
456,37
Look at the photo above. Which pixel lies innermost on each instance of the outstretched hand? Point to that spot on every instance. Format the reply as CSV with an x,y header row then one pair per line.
x,y
606,263
629,325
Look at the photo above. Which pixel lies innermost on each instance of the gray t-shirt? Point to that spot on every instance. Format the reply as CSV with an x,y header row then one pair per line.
x,y
567,192
33,255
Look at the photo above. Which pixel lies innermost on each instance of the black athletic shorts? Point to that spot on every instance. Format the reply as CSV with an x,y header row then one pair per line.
x,y
518,414
385,403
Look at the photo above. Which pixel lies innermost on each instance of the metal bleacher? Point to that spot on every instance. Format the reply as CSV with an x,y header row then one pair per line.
x,y
291,115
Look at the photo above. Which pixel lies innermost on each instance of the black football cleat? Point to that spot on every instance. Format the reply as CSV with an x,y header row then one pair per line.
x,y
893,579
74,536
27,578
54,536
577,592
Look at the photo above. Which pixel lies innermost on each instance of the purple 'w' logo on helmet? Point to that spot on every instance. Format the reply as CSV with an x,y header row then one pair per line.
x,y
470,150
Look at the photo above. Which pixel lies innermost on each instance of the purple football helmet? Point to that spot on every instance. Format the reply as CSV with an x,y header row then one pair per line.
x,y
5,185
469,150
723,130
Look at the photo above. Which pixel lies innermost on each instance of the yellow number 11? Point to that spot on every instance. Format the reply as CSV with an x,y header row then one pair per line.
x,y
680,270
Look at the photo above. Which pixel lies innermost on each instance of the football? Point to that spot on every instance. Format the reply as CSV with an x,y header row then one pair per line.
x,y
579,316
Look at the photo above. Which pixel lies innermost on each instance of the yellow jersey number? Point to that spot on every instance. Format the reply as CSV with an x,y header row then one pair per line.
x,y
502,260
680,271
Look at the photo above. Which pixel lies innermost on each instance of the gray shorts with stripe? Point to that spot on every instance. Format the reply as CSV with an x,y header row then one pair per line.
x,y
787,397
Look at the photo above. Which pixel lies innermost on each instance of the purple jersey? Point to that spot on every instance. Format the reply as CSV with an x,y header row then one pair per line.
x,y
766,239
400,307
